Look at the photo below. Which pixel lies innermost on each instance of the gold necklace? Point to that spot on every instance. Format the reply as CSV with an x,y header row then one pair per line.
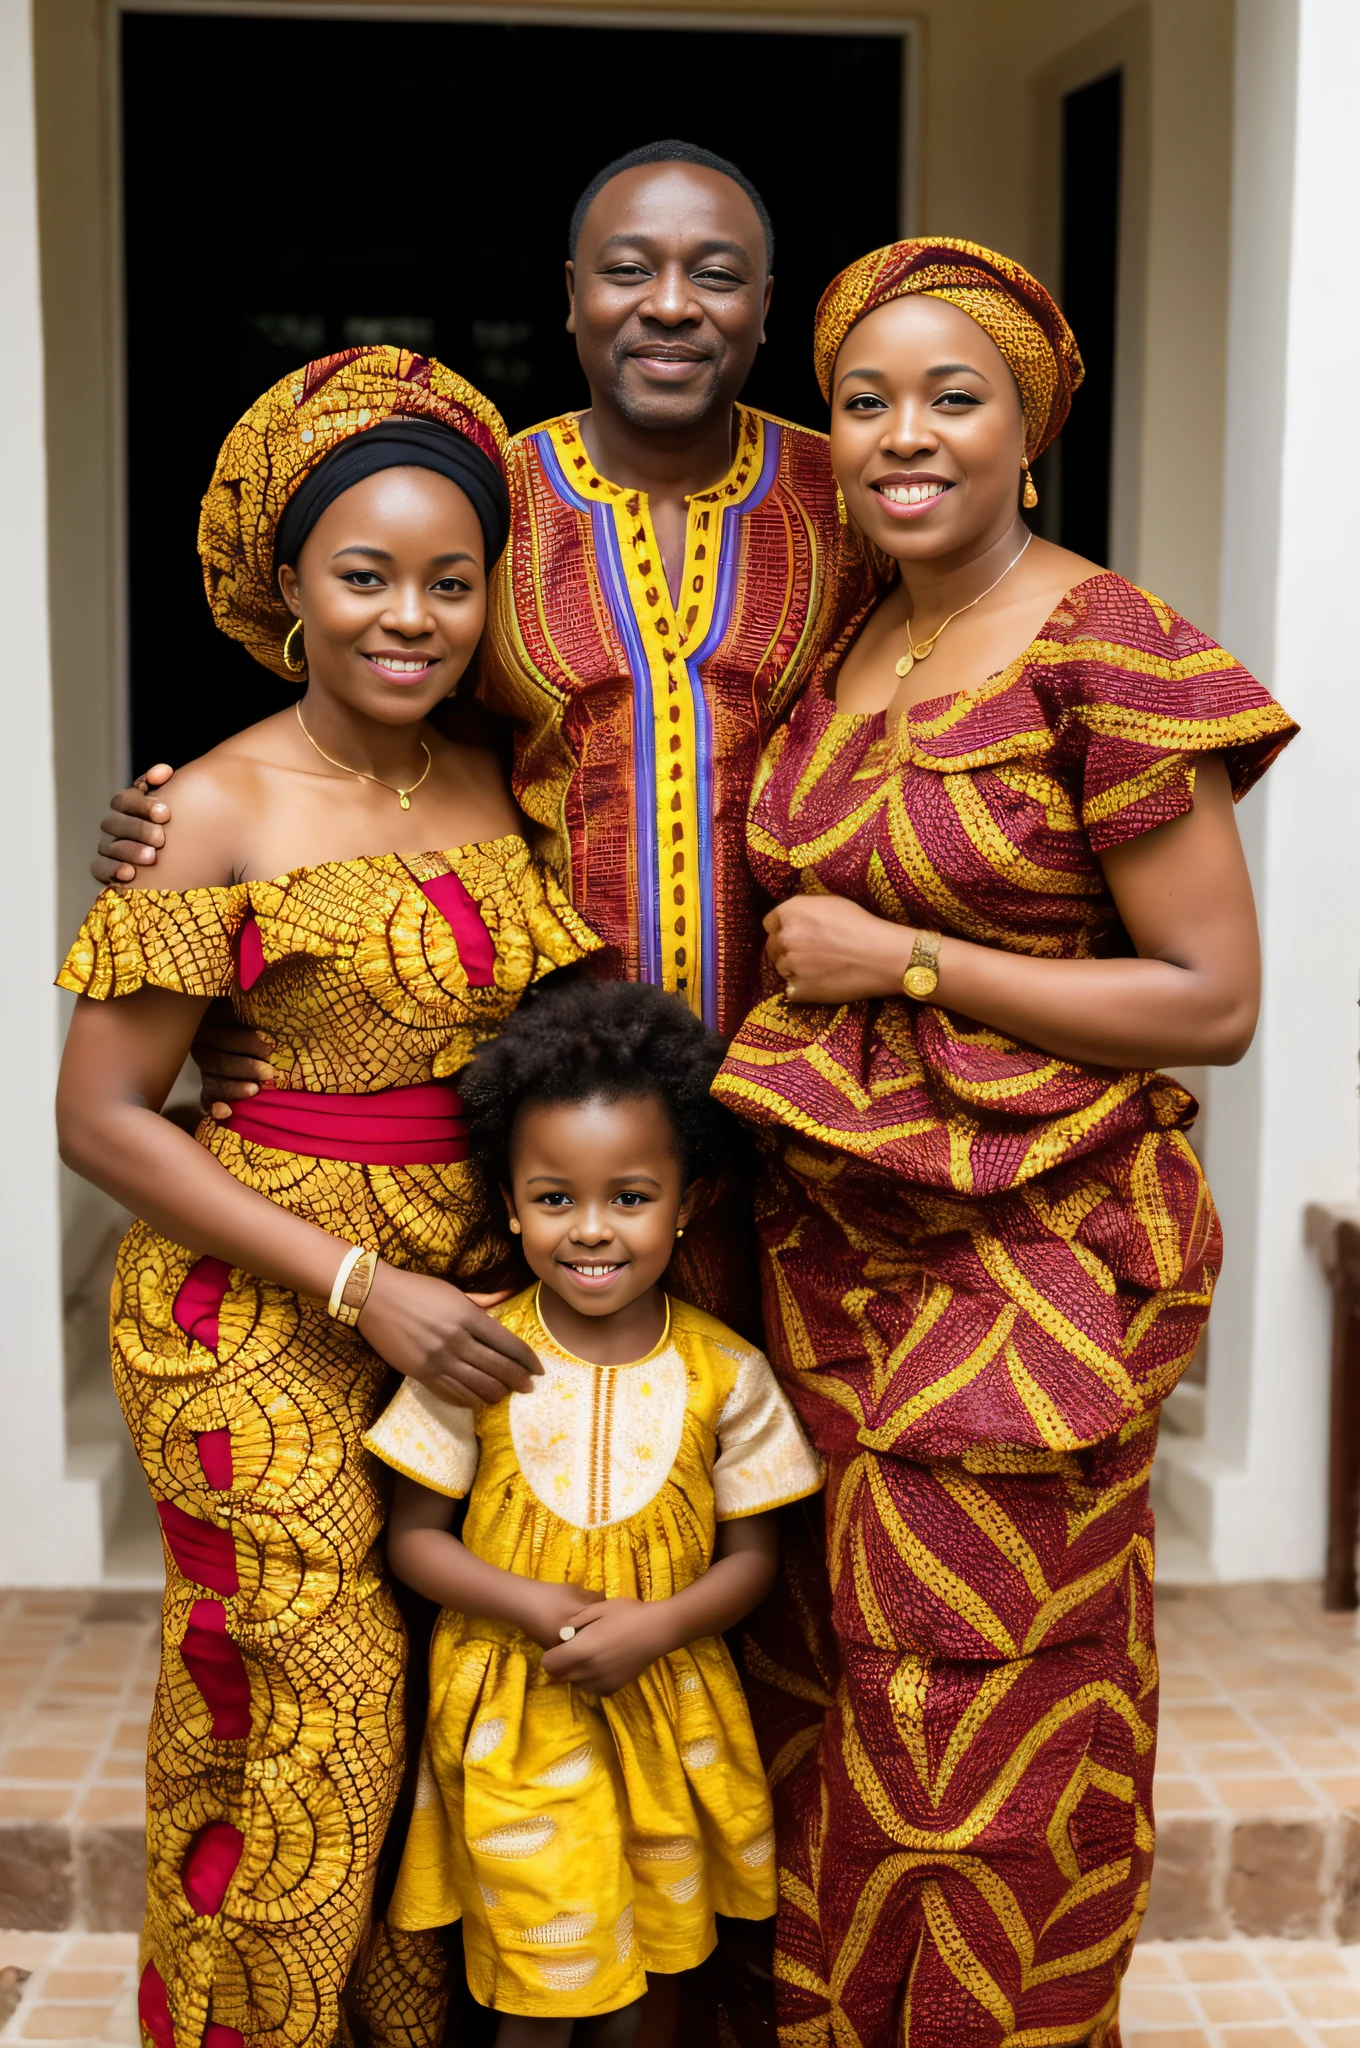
x,y
405,795
915,653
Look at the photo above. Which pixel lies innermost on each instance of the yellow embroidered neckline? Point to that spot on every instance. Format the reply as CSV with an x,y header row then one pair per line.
x,y
625,1366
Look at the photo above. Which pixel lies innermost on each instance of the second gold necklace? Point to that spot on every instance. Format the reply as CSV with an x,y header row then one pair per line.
x,y
403,795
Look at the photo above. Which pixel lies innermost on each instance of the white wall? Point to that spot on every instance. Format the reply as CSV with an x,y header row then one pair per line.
x,y
48,1522
1283,1129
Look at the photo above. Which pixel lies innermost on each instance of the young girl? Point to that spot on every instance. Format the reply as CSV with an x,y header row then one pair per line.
x,y
591,1793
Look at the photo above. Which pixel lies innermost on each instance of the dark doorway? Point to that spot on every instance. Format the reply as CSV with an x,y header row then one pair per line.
x,y
1092,124
295,186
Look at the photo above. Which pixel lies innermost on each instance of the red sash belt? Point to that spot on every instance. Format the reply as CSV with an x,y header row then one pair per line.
x,y
421,1126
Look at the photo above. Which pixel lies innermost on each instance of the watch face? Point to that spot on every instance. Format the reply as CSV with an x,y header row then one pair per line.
x,y
920,982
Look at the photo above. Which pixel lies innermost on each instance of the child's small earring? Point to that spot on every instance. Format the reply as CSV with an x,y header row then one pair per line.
x,y
515,1225
681,1231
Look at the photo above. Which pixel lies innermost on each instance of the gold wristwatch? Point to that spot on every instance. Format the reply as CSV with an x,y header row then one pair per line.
x,y
923,969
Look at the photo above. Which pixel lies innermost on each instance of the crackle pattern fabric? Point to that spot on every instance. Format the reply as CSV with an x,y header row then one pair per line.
x,y
283,436
1012,307
640,716
584,1841
985,1268
276,1739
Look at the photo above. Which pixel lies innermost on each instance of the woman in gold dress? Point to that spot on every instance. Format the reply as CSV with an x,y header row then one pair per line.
x,y
285,1259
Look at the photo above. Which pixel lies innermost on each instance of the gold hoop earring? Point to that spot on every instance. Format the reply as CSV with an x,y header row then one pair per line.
x,y
841,512
1029,497
294,668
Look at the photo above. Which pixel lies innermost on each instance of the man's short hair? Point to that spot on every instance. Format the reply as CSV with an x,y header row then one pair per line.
x,y
671,153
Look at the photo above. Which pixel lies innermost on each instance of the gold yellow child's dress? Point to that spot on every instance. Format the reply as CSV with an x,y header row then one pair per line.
x,y
276,1741
585,1841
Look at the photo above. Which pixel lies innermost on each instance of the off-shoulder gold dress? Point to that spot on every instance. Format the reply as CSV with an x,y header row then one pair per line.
x,y
583,1841
276,1740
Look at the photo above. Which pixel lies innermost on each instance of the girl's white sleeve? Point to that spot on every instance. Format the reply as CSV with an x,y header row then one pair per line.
x,y
427,1439
763,1459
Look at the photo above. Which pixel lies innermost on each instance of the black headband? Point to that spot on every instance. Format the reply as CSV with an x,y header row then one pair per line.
x,y
398,444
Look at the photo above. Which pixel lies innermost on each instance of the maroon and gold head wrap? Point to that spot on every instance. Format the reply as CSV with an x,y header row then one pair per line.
x,y
1009,304
274,447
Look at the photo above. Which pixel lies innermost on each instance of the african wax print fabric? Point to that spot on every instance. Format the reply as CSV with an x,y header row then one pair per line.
x,y
280,440
585,1841
985,1267
640,715
276,1743
1001,296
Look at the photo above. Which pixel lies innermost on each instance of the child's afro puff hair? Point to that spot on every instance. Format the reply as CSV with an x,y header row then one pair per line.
x,y
573,1040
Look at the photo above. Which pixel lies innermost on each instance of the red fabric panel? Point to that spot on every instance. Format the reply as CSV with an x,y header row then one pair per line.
x,y
210,1864
460,913
214,1455
218,1669
202,1552
153,2007
222,2037
200,1298
249,955
418,1126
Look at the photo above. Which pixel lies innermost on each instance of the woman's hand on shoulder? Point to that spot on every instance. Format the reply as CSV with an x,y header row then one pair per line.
x,y
434,1333
831,950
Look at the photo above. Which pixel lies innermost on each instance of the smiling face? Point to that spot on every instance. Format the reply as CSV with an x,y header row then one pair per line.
x,y
391,588
927,432
599,1191
669,292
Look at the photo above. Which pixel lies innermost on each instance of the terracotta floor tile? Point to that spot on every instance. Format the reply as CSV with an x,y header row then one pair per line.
x,y
1209,1724
1261,2037
1155,2005
1181,1795
1150,1965
63,2022
113,1806
1262,1795
1300,1959
1239,1758
1340,2037
1326,2001
1221,2002
65,1765
35,1802
95,1951
1221,1964
1317,1753
26,1951
86,1984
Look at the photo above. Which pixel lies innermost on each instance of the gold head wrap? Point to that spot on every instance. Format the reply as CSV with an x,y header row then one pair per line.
x,y
272,448
1009,304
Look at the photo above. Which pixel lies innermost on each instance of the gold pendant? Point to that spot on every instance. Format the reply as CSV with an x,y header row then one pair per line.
x,y
405,800
906,664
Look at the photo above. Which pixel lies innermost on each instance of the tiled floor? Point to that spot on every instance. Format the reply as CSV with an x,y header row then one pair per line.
x,y
1260,1702
69,1988
1242,1994
1260,1725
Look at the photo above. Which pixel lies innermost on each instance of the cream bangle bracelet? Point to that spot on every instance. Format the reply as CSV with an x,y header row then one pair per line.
x,y
343,1271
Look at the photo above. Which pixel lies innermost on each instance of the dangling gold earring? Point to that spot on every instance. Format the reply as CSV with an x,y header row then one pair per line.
x,y
516,1225
298,668
841,512
1029,497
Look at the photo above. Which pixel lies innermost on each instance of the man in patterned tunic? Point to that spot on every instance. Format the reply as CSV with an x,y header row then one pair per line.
x,y
676,564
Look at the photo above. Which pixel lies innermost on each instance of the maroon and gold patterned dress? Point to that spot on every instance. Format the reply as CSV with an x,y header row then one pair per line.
x,y
984,1269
